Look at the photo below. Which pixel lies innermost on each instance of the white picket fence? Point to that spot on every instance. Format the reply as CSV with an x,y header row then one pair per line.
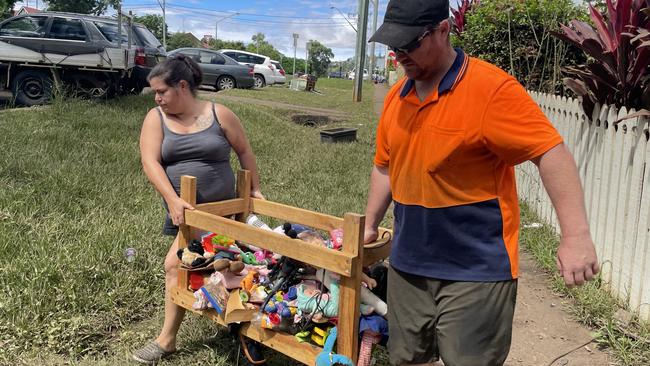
x,y
612,163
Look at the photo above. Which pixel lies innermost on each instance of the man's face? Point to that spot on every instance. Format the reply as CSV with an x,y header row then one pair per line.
x,y
423,62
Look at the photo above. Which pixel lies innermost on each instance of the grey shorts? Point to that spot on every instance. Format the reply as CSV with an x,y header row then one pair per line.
x,y
168,226
463,323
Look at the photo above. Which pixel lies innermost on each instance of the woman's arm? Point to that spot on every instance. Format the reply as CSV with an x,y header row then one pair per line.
x,y
151,137
236,136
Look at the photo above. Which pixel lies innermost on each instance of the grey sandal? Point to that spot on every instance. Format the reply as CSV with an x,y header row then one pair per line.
x,y
151,353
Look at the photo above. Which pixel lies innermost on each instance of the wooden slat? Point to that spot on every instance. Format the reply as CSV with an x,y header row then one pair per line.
x,y
636,217
602,197
621,152
633,162
641,274
299,250
188,194
296,215
350,294
224,208
372,256
281,342
612,163
244,192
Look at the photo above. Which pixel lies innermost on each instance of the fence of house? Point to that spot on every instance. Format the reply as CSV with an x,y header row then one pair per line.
x,y
612,159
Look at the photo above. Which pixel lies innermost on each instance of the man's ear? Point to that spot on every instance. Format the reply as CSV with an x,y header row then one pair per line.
x,y
445,26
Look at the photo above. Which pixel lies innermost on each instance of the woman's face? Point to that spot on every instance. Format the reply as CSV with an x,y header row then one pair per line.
x,y
167,97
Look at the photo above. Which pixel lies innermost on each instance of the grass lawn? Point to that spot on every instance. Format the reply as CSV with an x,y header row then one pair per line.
x,y
74,198
335,94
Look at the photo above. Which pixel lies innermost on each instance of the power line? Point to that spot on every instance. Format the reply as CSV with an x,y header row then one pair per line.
x,y
248,20
174,5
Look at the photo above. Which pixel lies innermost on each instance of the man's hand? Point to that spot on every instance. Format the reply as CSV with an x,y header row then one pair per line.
x,y
577,260
370,234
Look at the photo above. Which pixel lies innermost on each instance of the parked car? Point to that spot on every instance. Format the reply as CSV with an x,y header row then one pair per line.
x,y
148,50
336,75
278,73
219,70
37,49
352,74
264,69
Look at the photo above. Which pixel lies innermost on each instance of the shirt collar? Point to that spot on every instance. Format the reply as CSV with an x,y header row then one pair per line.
x,y
450,80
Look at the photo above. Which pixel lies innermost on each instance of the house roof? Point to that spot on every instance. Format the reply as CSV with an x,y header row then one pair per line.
x,y
27,10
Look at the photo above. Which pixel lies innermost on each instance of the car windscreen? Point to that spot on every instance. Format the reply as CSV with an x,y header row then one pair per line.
x,y
147,37
109,30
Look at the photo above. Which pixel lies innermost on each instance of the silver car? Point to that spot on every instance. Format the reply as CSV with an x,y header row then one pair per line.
x,y
219,70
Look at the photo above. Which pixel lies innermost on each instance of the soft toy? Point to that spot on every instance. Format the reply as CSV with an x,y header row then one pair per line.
x,y
234,266
282,308
189,258
193,256
312,301
367,297
250,281
328,357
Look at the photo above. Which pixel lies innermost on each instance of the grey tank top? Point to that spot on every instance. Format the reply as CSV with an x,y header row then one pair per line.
x,y
205,155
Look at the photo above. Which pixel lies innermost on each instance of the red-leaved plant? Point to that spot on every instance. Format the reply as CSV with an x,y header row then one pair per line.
x,y
464,7
619,48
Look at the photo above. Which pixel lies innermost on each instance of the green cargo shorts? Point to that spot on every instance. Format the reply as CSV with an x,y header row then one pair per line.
x,y
463,323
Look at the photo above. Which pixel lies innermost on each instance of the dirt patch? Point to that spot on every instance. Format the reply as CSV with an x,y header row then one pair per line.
x,y
543,330
334,115
310,120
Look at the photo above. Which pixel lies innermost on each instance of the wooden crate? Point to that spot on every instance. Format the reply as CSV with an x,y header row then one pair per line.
x,y
348,262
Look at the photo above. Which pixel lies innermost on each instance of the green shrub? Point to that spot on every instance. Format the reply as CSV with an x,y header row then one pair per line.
x,y
515,35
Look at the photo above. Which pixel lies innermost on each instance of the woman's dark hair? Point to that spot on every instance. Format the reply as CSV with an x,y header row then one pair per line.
x,y
179,67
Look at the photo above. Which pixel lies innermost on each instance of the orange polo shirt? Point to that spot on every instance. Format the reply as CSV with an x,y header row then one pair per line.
x,y
451,164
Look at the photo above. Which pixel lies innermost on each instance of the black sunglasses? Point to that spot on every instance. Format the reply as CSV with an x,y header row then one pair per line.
x,y
413,45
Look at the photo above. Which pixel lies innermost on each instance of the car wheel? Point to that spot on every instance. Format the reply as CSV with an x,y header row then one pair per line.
x,y
32,87
259,81
225,83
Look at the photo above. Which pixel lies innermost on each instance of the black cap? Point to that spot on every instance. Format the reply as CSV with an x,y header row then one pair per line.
x,y
405,20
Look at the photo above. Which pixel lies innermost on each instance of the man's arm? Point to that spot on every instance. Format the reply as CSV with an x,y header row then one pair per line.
x,y
576,256
379,197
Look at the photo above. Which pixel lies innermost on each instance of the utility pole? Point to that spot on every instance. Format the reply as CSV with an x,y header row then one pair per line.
x,y
295,46
306,56
362,29
164,25
375,3
216,24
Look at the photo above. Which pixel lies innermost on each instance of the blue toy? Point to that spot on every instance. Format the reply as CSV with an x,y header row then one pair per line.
x,y
327,358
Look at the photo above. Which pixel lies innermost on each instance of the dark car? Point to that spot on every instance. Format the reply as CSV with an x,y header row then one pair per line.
x,y
220,71
148,53
336,75
149,50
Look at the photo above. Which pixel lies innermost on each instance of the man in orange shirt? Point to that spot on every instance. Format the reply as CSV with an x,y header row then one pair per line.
x,y
449,137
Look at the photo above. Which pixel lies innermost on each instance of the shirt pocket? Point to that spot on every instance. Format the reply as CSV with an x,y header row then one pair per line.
x,y
442,146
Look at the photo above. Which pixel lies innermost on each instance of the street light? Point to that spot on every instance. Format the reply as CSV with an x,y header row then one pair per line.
x,y
216,24
346,19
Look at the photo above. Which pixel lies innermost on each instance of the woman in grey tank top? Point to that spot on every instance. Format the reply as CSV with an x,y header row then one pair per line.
x,y
187,136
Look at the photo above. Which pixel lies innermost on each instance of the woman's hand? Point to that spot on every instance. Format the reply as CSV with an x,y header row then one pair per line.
x,y
176,210
256,193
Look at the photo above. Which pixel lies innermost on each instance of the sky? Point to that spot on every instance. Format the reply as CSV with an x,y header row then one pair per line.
x,y
278,20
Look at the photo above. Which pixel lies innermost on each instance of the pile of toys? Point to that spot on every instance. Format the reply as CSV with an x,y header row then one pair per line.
x,y
289,296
